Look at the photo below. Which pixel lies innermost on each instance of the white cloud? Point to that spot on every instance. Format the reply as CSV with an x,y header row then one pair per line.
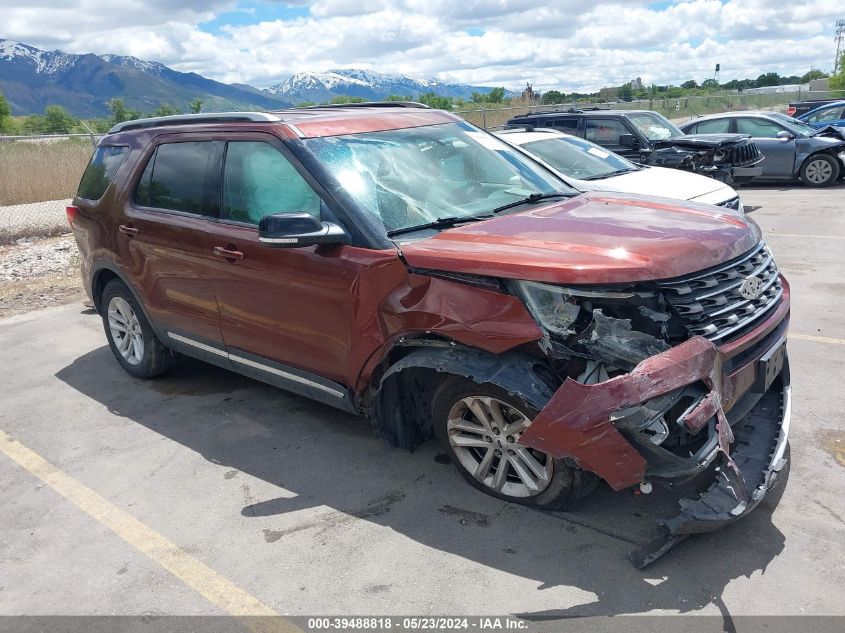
x,y
566,44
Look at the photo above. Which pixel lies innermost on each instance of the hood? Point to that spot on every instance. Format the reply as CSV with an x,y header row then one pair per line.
x,y
702,141
668,183
832,133
593,238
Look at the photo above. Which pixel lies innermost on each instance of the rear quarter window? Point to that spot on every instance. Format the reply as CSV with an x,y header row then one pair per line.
x,y
104,164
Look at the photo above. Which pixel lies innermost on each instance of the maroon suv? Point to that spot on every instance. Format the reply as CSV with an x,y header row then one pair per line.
x,y
396,262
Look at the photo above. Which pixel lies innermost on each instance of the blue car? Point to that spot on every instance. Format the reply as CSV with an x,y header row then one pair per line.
x,y
830,114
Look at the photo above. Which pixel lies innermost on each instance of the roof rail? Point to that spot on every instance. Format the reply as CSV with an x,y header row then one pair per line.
x,y
365,104
181,119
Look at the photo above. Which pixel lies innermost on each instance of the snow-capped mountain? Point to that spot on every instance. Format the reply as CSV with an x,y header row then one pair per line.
x,y
351,82
49,63
31,79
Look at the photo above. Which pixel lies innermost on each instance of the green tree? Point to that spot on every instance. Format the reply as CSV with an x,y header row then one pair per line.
x,y
165,109
344,99
120,112
399,98
477,97
496,95
57,120
689,85
837,81
554,96
305,104
195,106
813,74
768,79
710,84
5,115
435,101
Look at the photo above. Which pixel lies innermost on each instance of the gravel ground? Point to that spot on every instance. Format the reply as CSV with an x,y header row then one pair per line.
x,y
37,273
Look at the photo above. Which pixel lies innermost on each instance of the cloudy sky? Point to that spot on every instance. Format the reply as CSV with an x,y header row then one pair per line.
x,y
568,44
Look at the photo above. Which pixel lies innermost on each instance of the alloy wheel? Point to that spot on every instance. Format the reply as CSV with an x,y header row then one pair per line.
x,y
126,330
484,433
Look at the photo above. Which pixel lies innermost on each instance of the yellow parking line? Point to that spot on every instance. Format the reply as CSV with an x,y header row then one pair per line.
x,y
817,339
210,584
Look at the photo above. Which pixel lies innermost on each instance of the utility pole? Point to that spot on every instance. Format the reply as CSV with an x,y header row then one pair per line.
x,y
840,34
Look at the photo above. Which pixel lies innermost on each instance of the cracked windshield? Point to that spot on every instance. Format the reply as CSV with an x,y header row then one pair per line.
x,y
415,176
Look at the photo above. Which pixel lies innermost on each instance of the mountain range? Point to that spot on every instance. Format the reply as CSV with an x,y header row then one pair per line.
x,y
31,79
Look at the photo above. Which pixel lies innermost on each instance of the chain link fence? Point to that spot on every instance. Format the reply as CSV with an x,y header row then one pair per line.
x,y
38,177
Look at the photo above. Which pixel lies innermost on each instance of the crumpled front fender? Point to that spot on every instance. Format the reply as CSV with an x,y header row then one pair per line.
x,y
576,421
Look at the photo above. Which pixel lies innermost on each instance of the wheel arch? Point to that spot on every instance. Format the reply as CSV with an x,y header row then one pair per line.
x,y
102,272
830,152
399,399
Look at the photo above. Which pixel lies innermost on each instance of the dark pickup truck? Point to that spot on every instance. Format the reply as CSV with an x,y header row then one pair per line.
x,y
649,138
797,108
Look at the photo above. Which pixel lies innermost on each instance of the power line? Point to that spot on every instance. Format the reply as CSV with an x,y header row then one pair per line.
x,y
840,34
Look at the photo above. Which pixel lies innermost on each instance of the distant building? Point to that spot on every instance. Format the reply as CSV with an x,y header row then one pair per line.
x,y
528,95
636,84
608,94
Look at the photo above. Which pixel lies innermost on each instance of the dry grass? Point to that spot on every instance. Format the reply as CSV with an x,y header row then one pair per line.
x,y
37,171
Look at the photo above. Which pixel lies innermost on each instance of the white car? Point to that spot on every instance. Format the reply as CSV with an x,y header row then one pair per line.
x,y
589,167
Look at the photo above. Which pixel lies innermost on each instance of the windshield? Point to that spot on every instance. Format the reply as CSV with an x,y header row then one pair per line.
x,y
578,158
418,175
799,128
654,126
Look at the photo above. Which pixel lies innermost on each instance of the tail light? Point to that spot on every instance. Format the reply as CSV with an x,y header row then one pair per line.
x,y
71,214
791,110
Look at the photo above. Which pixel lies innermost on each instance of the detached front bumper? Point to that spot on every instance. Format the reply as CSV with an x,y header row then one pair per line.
x,y
734,400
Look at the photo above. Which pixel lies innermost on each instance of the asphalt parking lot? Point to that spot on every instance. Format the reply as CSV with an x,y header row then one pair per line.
x,y
207,493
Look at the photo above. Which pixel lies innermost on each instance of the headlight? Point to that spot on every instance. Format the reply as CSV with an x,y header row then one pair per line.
x,y
556,308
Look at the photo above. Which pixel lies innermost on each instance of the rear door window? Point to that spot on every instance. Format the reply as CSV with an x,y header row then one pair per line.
x,y
716,126
758,128
605,131
175,178
258,180
100,172
568,126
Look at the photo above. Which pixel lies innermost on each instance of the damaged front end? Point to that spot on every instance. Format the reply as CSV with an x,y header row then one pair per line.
x,y
660,387
729,158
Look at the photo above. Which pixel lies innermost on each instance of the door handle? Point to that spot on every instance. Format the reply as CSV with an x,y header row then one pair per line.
x,y
228,253
130,230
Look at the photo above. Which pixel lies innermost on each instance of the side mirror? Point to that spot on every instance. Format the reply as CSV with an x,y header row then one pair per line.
x,y
785,136
627,140
292,230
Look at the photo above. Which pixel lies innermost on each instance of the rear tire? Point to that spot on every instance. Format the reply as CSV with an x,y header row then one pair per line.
x,y
131,339
479,447
820,170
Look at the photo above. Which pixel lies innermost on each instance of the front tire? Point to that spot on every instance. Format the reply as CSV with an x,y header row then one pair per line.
x,y
480,425
131,339
820,170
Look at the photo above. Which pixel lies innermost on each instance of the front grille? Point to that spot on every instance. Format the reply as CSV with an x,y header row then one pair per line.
x,y
746,154
710,303
733,203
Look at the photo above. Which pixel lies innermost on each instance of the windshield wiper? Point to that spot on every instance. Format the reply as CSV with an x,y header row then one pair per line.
x,y
529,199
617,172
440,223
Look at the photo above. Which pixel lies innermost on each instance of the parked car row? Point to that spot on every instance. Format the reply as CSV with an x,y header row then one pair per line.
x,y
648,138
744,145
396,262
